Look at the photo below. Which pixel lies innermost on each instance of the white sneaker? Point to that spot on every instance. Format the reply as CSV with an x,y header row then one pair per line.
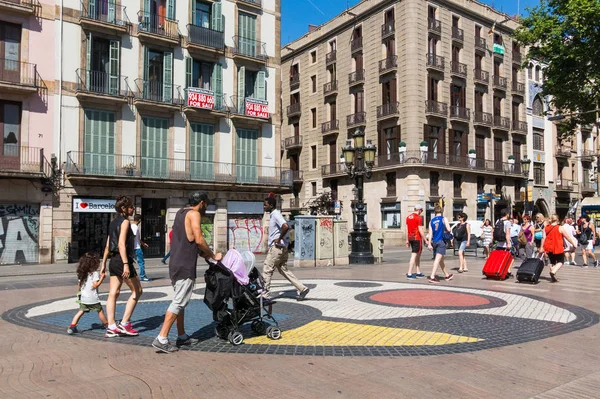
x,y
574,263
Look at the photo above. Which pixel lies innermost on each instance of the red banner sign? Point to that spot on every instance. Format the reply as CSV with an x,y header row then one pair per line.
x,y
200,98
257,108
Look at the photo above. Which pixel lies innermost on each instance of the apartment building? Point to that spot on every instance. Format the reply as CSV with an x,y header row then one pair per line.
x,y
26,112
436,86
161,98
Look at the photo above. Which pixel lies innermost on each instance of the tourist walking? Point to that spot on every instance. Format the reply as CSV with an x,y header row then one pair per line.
x,y
487,236
553,245
463,240
138,245
277,254
587,237
515,230
187,242
502,231
164,260
435,241
119,245
415,232
528,231
540,223
568,244
89,281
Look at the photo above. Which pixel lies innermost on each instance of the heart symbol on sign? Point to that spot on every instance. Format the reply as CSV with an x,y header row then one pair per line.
x,y
83,205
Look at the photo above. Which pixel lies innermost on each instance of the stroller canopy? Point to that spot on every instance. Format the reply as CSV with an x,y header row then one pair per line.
x,y
234,261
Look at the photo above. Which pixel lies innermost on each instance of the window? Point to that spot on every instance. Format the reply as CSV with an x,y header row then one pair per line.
x,y
389,141
498,187
457,180
333,186
202,151
456,209
390,215
313,81
359,97
539,177
429,207
313,114
434,135
205,75
530,71
537,73
313,186
313,156
202,15
390,179
432,86
480,184
296,129
432,46
498,39
246,155
434,181
537,106
102,62
538,139
154,151
313,57
201,74
99,137
388,92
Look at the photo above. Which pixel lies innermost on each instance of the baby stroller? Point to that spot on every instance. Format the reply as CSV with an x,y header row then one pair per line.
x,y
233,293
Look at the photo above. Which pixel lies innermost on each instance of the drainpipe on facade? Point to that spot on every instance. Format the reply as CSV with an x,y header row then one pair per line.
x,y
60,80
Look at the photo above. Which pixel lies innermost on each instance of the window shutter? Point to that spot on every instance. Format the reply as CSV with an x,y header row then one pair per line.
x,y
194,13
241,89
88,59
167,76
113,68
171,9
261,83
217,85
393,91
111,12
188,72
91,8
217,17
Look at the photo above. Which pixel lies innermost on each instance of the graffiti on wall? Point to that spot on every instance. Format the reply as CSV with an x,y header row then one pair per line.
x,y
245,234
19,233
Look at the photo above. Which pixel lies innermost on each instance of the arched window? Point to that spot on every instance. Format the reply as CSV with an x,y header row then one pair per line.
x,y
537,73
530,71
538,106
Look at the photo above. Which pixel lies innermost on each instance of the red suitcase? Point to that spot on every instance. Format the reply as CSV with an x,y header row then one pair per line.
x,y
498,264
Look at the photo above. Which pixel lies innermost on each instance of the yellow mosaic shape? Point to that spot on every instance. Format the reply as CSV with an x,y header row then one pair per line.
x,y
333,333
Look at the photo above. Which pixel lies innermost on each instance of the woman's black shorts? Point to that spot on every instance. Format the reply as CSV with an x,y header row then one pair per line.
x,y
115,266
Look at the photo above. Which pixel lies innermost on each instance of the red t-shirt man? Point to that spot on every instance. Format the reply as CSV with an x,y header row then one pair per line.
x,y
413,222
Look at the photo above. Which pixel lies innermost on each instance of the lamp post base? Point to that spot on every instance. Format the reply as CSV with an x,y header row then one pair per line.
x,y
361,248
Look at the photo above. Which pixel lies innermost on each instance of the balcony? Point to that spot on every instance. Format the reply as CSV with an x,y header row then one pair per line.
x,y
483,119
330,57
388,29
481,76
151,94
587,187
333,169
458,69
356,45
388,64
294,204
199,101
390,110
204,41
252,3
499,82
458,34
517,58
356,78
436,108
587,155
518,88
519,127
157,29
480,44
20,7
435,62
563,185
108,17
357,119
96,86
297,176
330,88
249,50
295,81
434,26
19,77
249,108
291,143
460,113
330,127
22,161
501,123
294,110
563,152
170,171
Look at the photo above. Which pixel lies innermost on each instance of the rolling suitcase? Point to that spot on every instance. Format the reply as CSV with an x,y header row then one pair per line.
x,y
498,264
530,270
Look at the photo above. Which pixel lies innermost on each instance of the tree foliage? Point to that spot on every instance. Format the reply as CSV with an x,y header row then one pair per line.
x,y
323,204
565,34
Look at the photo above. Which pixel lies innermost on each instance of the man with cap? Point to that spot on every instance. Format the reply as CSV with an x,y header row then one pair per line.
x,y
414,239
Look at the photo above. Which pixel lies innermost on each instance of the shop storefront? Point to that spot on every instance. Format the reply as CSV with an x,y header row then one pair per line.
x,y
245,225
90,220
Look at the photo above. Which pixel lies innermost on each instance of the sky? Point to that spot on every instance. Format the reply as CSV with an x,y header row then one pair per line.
x,y
298,14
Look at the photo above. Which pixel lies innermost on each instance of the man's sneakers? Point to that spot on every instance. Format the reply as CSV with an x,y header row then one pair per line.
x,y
72,330
420,275
189,341
302,295
145,279
166,348
126,329
411,277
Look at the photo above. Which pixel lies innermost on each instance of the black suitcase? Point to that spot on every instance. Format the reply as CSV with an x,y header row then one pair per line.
x,y
530,270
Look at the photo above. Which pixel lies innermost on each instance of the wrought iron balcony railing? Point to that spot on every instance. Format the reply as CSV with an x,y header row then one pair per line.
x,y
356,77
563,185
461,113
356,44
458,34
295,81
330,57
17,158
388,64
388,28
102,83
436,108
434,25
458,68
518,88
156,91
330,126
250,48
480,43
483,118
330,88
501,122
108,12
519,126
294,109
157,24
206,37
292,142
19,73
435,61
562,152
499,82
390,109
481,76
359,118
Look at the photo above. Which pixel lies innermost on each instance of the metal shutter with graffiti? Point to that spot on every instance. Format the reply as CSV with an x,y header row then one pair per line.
x,y
19,233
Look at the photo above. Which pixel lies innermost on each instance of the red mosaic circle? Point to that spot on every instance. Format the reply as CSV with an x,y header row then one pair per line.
x,y
429,298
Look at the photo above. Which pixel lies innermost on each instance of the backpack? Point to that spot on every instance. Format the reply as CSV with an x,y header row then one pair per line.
x,y
460,232
499,233
583,238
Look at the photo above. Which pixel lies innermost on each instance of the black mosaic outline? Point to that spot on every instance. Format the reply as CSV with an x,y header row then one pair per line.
x,y
466,324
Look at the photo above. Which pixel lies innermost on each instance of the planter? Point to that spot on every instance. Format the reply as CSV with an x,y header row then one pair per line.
x,y
472,155
129,172
401,149
511,161
424,148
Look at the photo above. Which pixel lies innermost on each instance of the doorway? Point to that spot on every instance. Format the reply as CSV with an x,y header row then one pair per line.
x,y
154,211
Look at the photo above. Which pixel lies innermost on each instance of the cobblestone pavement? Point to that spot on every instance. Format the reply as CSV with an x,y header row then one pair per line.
x,y
363,331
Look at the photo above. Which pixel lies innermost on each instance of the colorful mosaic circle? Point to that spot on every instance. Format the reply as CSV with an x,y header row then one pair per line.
x,y
346,318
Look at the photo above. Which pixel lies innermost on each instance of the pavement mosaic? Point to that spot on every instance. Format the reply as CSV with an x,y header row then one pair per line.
x,y
347,318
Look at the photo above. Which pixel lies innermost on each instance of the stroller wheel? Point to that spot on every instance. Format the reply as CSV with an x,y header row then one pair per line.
x,y
273,332
221,331
236,338
259,327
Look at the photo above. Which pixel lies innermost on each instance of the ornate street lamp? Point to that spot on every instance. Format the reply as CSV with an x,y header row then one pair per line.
x,y
359,159
525,164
